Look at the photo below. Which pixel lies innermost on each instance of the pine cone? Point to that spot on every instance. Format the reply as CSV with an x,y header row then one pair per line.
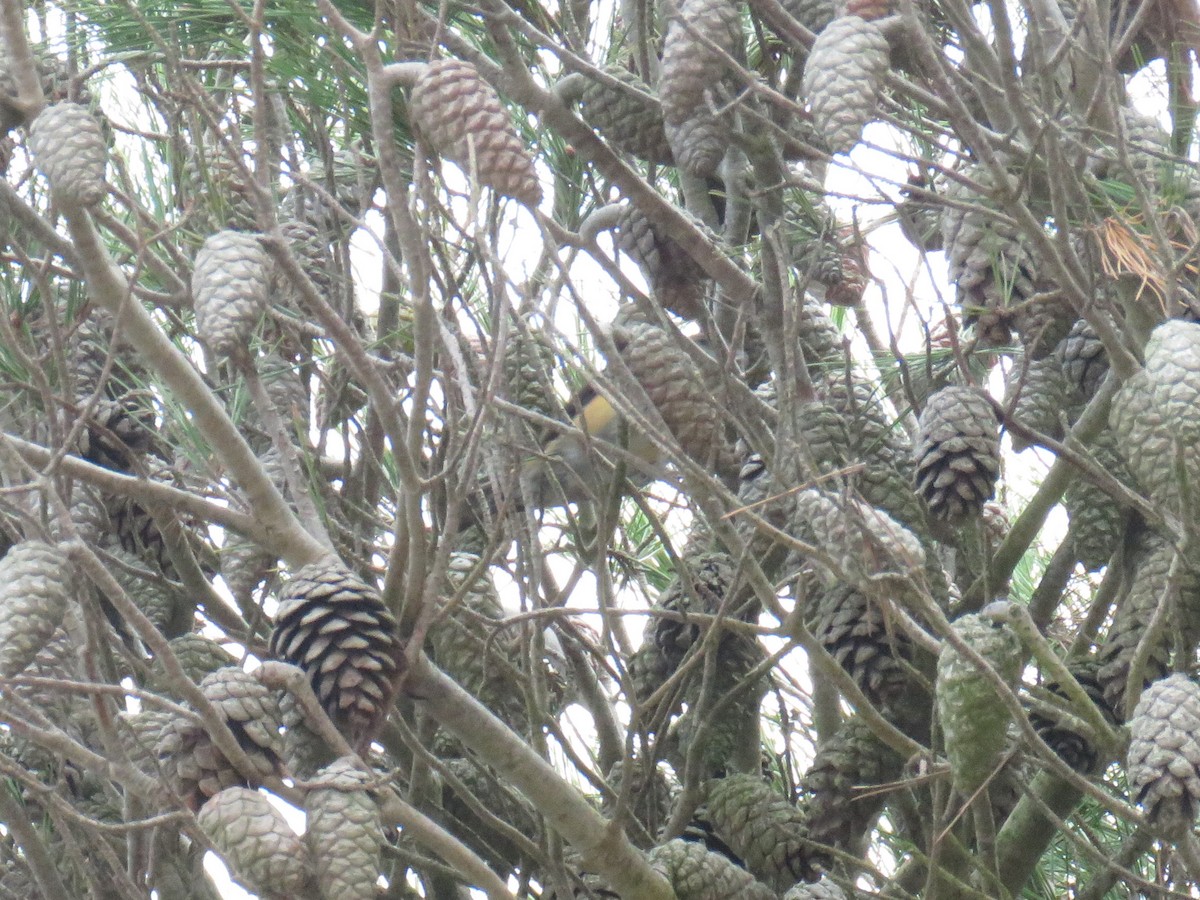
x,y
841,790
700,586
815,15
822,890
1084,361
334,199
866,542
69,148
1097,520
195,766
56,83
649,671
1147,588
463,120
820,339
335,627
88,352
629,119
989,259
118,432
529,365
1072,748
1042,325
760,825
244,566
843,77
974,719
1153,413
855,630
35,585
310,246
263,853
675,386
344,833
469,643
675,280
698,144
874,431
221,186
691,69
169,609
1164,754
229,290
957,455
198,657
649,797
304,751
697,874
1147,148
1036,396
139,734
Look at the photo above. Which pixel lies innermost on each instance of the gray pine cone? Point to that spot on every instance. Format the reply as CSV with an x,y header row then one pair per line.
x,y
974,719
840,791
1084,361
1036,396
843,76
344,834
854,628
263,853
957,455
1164,754
760,825
675,280
1153,413
68,146
35,584
630,118
698,874
229,290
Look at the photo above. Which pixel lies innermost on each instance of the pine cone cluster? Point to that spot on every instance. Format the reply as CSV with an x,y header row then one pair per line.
x,y
195,765
690,78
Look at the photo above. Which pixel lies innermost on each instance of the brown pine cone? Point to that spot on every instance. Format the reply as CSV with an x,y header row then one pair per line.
x,y
462,117
334,626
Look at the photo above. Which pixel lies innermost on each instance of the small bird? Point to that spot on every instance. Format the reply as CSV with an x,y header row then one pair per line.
x,y
574,467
